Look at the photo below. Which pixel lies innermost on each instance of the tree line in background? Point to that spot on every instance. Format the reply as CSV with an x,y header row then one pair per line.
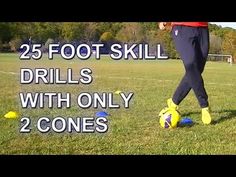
x,y
12,35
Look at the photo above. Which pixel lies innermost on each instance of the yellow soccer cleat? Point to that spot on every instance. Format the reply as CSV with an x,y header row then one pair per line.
x,y
171,104
206,117
11,115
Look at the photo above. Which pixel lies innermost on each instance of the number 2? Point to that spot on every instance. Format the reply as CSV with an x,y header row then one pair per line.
x,y
25,55
25,123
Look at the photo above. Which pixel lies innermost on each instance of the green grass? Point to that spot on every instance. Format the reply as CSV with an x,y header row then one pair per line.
x,y
131,131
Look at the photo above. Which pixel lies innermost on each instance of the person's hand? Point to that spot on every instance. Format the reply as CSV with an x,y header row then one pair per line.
x,y
162,25
165,25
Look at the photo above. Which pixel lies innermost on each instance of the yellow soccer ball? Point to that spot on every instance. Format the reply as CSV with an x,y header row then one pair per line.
x,y
169,118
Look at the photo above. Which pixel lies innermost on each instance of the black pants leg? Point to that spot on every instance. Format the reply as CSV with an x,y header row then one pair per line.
x,y
193,44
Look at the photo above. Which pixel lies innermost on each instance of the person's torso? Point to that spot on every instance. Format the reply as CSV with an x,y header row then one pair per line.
x,y
192,24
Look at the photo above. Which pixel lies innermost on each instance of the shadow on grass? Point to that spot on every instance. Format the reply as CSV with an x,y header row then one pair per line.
x,y
229,114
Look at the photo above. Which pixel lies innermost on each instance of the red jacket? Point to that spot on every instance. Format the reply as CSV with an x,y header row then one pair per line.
x,y
193,24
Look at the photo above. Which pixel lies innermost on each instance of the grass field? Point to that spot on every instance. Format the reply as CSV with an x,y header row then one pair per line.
x,y
131,131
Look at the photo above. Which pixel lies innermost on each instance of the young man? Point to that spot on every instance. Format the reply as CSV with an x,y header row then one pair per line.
x,y
192,42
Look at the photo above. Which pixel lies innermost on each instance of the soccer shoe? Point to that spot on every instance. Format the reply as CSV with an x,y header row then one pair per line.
x,y
206,117
171,104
